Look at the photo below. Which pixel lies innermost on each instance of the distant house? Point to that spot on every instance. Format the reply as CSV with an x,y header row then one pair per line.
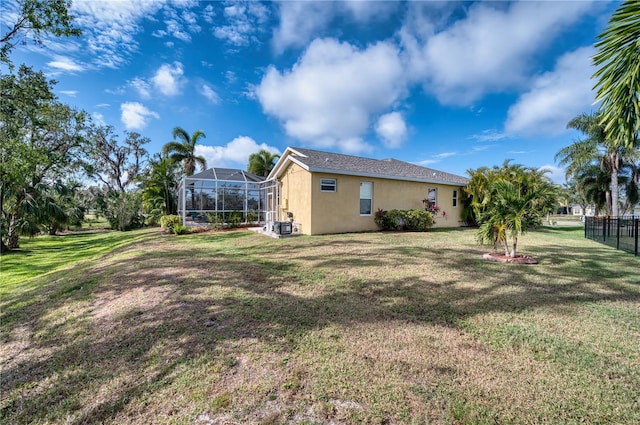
x,y
324,192
578,210
590,211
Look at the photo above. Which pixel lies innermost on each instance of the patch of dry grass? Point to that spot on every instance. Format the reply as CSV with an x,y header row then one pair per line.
x,y
235,328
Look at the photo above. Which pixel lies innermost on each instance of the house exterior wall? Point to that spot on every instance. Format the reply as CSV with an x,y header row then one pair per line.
x,y
321,212
295,196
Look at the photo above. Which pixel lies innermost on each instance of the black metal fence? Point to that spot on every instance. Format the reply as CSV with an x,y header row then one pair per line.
x,y
617,232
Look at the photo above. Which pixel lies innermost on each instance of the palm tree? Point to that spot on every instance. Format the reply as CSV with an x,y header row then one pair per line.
x,y
184,150
261,163
592,183
160,187
508,201
618,75
597,148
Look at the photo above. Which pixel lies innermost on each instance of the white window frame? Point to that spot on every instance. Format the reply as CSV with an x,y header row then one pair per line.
x,y
455,199
370,199
435,195
326,183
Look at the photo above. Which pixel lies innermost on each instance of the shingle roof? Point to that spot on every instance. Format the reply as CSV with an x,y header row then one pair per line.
x,y
318,161
228,174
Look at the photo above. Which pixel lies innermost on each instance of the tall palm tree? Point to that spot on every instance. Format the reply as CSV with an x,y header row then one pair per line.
x,y
183,150
592,182
618,75
597,148
261,163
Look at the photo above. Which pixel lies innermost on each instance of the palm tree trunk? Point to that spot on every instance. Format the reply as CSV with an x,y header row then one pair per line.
x,y
13,239
614,191
515,244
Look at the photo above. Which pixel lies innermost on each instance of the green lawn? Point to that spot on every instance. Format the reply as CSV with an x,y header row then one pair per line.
x,y
388,328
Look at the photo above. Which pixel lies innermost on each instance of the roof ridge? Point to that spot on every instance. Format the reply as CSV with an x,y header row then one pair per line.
x,y
387,168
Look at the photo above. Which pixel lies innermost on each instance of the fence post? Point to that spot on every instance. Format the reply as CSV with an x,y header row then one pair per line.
x,y
617,233
604,229
637,220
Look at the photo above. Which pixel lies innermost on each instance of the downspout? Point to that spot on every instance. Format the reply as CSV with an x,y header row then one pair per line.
x,y
183,200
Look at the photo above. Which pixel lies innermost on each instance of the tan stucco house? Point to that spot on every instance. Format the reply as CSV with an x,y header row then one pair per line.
x,y
324,192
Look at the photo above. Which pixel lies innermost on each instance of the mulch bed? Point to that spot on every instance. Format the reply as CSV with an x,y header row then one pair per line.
x,y
501,258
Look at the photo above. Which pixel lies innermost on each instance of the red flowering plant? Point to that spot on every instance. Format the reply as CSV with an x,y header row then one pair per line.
x,y
431,207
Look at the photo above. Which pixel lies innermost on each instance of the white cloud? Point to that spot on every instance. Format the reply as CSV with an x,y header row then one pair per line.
x,y
135,116
142,87
210,94
231,77
175,28
482,148
428,162
490,135
208,14
556,174
98,119
65,64
489,50
109,27
70,93
233,154
444,155
320,102
244,20
437,158
555,97
392,129
169,78
301,21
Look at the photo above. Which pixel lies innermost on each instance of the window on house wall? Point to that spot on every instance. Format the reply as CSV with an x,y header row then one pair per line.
x,y
455,198
366,198
327,185
432,196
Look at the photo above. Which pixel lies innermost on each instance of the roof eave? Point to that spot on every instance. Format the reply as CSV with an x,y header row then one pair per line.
x,y
282,163
383,176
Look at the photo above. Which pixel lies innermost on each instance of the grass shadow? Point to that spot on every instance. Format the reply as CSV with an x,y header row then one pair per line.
x,y
142,313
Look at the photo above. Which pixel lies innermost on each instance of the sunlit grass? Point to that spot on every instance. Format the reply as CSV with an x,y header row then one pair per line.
x,y
367,328
44,254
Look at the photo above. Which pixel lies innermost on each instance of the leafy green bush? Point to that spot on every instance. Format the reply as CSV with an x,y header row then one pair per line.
x,y
215,220
169,222
180,229
252,216
418,220
235,219
124,211
411,220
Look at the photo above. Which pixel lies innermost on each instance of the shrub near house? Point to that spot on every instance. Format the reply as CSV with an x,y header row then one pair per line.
x,y
411,220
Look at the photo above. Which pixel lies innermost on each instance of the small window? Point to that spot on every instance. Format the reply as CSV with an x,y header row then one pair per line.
x,y
327,185
432,196
455,198
366,198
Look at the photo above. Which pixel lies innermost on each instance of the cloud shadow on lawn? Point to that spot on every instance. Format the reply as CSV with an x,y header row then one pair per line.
x,y
191,304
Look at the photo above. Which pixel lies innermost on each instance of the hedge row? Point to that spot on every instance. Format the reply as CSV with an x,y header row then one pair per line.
x,y
410,220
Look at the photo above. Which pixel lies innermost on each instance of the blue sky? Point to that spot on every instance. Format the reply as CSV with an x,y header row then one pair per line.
x,y
447,85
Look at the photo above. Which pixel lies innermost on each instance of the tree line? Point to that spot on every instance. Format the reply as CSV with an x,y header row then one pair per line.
x,y
50,150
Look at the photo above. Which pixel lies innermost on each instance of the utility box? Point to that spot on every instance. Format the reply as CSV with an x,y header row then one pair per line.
x,y
282,227
285,227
